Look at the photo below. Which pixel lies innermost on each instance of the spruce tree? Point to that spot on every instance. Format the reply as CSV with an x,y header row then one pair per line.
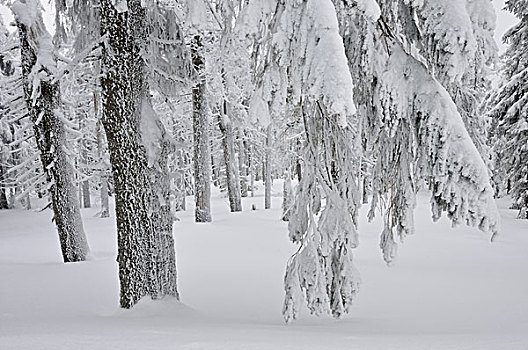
x,y
138,147
409,119
42,96
509,109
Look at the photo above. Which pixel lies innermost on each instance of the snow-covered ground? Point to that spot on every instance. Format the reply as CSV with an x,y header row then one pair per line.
x,y
449,288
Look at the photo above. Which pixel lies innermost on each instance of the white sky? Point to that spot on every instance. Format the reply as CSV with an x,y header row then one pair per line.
x,y
505,19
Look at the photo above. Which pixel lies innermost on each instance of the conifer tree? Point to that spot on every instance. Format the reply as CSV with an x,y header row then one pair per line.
x,y
411,122
42,96
509,109
323,214
138,147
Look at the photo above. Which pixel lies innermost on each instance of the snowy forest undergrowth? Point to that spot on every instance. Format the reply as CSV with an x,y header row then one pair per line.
x,y
450,288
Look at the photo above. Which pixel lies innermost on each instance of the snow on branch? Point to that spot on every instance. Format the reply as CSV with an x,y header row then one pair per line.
x,y
442,153
28,13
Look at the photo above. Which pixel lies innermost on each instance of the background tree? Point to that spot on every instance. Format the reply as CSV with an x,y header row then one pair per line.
x,y
508,109
197,20
42,95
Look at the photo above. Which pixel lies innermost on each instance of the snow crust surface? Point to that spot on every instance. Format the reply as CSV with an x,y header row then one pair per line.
x,y
450,288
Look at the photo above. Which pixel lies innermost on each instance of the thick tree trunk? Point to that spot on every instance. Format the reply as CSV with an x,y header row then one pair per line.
x,y
233,180
50,137
267,171
146,255
202,153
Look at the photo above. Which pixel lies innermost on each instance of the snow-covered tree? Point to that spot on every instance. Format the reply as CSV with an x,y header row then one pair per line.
x,y
6,70
197,20
202,150
296,70
455,40
23,173
509,109
42,96
287,197
138,146
411,122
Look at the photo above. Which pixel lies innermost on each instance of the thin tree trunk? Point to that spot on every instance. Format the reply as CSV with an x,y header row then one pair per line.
x,y
298,170
287,199
233,180
86,194
298,166
178,171
267,172
365,191
50,137
27,202
215,170
4,204
103,177
202,153
146,257
180,187
105,208
251,170
243,167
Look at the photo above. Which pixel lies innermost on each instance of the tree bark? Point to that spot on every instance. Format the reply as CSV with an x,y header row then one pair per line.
x,y
50,137
105,208
4,204
103,177
251,170
178,171
243,167
86,194
287,199
233,180
267,171
180,202
146,257
202,152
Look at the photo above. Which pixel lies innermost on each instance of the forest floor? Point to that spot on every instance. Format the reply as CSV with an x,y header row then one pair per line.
x,y
448,289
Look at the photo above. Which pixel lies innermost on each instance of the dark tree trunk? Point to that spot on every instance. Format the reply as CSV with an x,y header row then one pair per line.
x,y
287,199
86,194
364,184
26,202
215,170
180,202
243,167
50,137
105,208
251,170
146,255
4,204
202,153
267,170
233,180
179,171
